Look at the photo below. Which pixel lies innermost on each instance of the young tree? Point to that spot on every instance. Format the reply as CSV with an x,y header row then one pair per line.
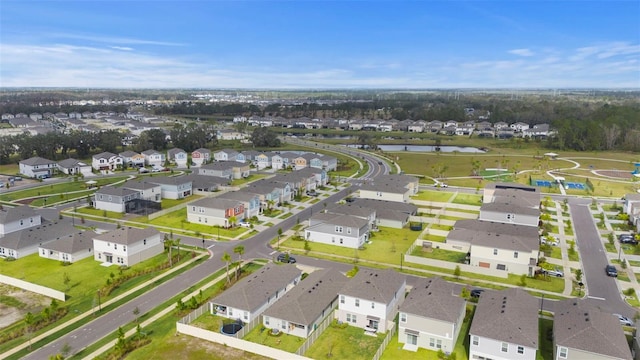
x,y
136,312
457,271
240,251
227,259
66,280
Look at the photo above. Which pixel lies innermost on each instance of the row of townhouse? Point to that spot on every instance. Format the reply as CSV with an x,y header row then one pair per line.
x,y
631,207
278,161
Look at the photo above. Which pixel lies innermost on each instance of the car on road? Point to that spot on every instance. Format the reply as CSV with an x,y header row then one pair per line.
x,y
624,320
555,272
475,293
350,199
286,258
611,271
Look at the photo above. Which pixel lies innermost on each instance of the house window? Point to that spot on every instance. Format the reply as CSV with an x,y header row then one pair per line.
x,y
31,220
246,315
432,342
357,302
348,230
515,254
21,222
341,299
99,255
353,318
438,344
475,340
144,242
333,239
373,305
348,317
495,251
501,267
511,217
266,320
563,352
341,241
520,349
403,317
115,246
193,208
339,229
505,347
124,248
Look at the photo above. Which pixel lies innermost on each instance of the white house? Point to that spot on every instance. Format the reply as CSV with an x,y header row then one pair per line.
x,y
341,230
215,211
225,155
19,244
172,187
302,309
132,159
106,161
37,167
116,199
127,245
370,300
384,191
631,207
227,134
69,247
154,158
510,213
505,326
74,167
178,157
251,296
148,191
18,218
431,316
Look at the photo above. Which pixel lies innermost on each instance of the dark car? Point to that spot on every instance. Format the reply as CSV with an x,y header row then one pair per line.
x,y
611,271
286,258
629,240
350,199
312,193
475,293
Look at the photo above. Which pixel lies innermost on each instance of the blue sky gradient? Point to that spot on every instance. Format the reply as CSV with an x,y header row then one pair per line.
x,y
320,44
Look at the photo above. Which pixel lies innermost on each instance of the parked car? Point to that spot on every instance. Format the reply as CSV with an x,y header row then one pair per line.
x,y
245,224
549,240
556,272
611,271
286,258
350,199
475,293
312,193
624,320
143,170
629,240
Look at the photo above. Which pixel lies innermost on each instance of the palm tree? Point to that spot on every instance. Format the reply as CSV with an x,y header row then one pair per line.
x,y
232,220
227,258
240,251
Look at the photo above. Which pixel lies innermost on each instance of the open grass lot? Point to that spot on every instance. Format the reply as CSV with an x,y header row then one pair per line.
x,y
210,322
178,220
52,199
349,342
387,246
65,187
282,341
433,195
10,169
440,254
468,199
97,212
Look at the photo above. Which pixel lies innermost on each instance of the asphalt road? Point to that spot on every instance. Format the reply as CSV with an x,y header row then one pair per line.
x,y
256,246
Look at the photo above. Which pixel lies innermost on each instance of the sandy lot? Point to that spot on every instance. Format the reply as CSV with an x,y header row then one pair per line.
x,y
28,302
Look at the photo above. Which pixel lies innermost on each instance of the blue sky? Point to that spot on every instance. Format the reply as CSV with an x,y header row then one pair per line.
x,y
320,44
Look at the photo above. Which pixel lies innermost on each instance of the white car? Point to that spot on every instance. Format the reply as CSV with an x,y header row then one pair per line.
x,y
245,224
624,320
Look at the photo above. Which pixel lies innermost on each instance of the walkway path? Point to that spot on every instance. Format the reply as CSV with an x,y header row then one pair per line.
x,y
566,268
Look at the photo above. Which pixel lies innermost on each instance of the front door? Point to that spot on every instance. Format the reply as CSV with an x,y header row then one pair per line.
x,y
109,258
373,324
412,339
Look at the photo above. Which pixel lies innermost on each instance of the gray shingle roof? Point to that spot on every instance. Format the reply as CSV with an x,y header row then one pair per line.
x,y
578,325
508,207
497,228
338,219
72,243
11,214
379,286
305,302
391,205
495,240
240,195
222,165
205,181
216,203
434,298
254,290
36,160
139,185
36,235
509,315
385,187
116,191
167,180
517,197
349,209
71,162
104,155
128,153
127,235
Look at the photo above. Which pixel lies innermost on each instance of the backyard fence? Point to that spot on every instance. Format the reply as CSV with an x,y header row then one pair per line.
x,y
157,214
194,314
38,289
316,334
247,328
385,342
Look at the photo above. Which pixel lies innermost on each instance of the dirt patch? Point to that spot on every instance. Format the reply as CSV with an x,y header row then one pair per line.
x,y
17,303
619,174
25,201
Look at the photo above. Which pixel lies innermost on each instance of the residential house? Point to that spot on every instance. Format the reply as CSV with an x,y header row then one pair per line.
x,y
226,169
215,211
300,161
154,158
511,213
282,188
241,158
384,191
269,194
148,191
200,156
250,156
202,184
225,155
341,230
22,122
370,300
106,161
540,131
583,331
262,160
416,127
500,125
631,207
519,126
431,316
301,310
69,247
19,244
227,134
173,187
74,167
251,296
276,161
38,168
489,191
116,199
18,218
131,159
389,213
178,156
350,209
127,246
250,201
505,326
329,163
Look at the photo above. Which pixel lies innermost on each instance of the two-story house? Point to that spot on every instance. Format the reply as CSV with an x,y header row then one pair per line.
x,y
38,168
106,161
275,161
127,246
263,161
226,169
505,326
228,134
18,218
225,155
511,213
116,199
148,191
70,247
154,158
301,310
341,230
215,211
202,184
389,213
132,159
251,296
178,156
200,156
370,300
354,210
250,201
431,316
74,167
172,187
631,207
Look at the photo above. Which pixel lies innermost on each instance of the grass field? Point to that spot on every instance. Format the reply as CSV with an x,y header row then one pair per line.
x,y
440,254
282,341
433,195
97,212
178,220
468,199
64,187
345,343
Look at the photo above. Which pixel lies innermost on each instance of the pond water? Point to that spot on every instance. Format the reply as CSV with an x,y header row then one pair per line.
x,y
427,148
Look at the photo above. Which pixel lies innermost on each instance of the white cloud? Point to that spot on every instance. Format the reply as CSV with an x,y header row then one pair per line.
x,y
521,52
112,40
123,48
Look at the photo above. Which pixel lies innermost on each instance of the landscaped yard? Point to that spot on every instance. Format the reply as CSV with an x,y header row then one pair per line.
x,y
282,341
344,342
211,322
433,195
545,327
178,220
468,199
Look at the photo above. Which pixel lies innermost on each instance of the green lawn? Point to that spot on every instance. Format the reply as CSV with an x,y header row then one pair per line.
x,y
546,342
610,247
555,253
441,227
97,212
64,187
440,254
282,341
433,195
622,276
349,342
468,199
250,178
52,199
169,203
210,322
387,246
178,220
633,262
436,238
